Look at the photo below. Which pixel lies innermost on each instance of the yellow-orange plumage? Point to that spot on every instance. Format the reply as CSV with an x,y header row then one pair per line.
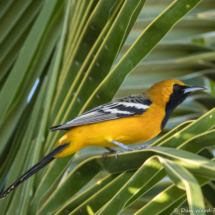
x,y
129,120
128,130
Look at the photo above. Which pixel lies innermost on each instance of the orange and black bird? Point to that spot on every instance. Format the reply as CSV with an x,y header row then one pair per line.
x,y
129,120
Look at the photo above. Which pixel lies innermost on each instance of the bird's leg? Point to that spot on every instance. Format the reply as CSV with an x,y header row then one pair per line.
x,y
127,148
111,151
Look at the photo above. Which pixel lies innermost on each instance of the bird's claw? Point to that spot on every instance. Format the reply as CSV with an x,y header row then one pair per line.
x,y
115,152
121,151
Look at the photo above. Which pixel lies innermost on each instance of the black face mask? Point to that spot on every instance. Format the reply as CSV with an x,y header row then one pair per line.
x,y
179,94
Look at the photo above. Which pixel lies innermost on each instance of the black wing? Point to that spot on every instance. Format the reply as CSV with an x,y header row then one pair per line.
x,y
121,108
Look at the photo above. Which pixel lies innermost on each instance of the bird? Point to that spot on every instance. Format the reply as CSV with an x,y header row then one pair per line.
x,y
125,121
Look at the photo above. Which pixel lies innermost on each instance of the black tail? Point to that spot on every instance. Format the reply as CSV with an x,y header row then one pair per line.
x,y
54,128
46,160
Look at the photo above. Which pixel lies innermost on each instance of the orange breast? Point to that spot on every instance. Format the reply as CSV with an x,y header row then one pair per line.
x,y
128,131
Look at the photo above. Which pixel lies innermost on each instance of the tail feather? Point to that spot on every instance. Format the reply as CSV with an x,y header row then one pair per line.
x,y
54,128
46,160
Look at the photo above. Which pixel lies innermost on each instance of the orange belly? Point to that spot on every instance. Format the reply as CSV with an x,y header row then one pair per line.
x,y
128,131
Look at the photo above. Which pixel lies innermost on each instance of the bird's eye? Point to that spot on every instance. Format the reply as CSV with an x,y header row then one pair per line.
x,y
176,87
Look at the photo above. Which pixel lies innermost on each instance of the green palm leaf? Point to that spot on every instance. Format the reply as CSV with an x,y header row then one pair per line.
x,y
81,54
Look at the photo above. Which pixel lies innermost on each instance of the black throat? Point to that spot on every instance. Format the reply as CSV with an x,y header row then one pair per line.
x,y
176,98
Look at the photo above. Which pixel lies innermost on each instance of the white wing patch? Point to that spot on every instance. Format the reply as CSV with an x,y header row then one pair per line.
x,y
110,111
136,105
116,111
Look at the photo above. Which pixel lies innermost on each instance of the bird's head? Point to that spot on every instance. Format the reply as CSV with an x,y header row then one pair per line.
x,y
170,92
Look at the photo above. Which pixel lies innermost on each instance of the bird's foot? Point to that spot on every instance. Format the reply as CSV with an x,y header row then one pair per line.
x,y
111,151
127,148
105,154
142,147
115,152
130,149
122,151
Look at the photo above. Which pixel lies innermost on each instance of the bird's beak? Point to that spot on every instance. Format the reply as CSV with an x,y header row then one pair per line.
x,y
193,89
